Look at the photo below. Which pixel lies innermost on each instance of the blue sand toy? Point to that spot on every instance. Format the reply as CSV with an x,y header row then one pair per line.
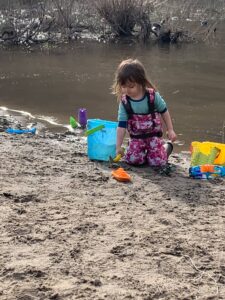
x,y
20,131
101,139
207,171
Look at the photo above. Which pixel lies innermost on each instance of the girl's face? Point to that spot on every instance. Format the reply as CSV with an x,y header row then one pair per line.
x,y
133,90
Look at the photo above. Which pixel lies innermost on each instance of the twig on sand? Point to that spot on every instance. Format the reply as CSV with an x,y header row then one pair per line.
x,y
202,272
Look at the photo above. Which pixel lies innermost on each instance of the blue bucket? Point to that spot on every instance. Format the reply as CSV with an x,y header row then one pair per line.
x,y
101,143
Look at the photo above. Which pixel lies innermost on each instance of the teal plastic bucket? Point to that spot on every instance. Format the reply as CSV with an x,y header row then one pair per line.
x,y
101,143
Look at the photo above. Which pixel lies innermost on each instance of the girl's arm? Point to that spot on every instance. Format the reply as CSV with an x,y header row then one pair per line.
x,y
119,140
121,129
169,125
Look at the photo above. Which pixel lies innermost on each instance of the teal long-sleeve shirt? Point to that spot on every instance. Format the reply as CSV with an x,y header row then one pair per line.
x,y
140,107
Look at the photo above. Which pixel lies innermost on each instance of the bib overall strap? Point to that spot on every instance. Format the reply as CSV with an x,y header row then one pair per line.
x,y
151,104
128,108
151,101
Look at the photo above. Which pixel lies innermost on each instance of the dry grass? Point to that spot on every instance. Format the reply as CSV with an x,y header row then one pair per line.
x,y
123,15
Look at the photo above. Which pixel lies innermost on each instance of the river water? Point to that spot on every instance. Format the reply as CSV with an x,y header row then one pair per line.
x,y
55,82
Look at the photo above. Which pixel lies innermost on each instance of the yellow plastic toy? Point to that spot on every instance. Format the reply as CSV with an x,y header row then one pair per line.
x,y
117,158
207,153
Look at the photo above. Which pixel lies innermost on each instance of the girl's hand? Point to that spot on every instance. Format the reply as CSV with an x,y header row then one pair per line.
x,y
120,150
171,135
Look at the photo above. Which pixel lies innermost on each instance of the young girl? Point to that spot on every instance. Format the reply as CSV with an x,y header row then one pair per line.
x,y
140,108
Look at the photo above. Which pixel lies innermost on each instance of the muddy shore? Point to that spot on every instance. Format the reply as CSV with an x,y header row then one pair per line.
x,y
68,230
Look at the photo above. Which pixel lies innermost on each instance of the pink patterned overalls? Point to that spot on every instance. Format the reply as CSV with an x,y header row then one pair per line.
x,y
146,144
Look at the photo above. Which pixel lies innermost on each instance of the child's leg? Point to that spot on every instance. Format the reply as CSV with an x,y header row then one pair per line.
x,y
136,152
156,153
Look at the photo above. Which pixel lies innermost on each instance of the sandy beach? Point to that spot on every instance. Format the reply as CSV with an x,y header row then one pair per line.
x,y
68,230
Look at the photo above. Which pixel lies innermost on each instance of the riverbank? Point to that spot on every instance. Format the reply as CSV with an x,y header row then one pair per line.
x,y
37,22
68,230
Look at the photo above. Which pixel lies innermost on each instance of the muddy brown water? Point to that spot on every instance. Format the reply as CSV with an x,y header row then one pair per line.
x,y
55,82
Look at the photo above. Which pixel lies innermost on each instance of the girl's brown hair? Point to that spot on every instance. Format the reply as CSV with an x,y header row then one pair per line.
x,y
130,70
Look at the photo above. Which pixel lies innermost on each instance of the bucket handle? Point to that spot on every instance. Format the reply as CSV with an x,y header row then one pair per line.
x,y
93,130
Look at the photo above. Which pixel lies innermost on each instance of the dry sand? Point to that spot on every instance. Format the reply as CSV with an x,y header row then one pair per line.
x,y
68,230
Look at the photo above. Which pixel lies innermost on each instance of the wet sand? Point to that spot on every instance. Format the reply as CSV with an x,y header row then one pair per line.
x,y
68,230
